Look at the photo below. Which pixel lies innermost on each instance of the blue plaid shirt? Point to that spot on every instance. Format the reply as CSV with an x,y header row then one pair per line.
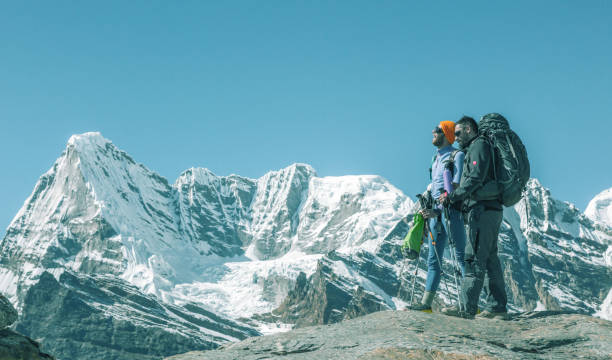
x,y
437,169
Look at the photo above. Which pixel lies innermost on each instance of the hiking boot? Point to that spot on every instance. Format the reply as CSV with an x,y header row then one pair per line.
x,y
456,312
420,307
502,315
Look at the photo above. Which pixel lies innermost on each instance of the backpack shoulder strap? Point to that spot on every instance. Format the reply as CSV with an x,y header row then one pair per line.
x,y
433,160
493,158
451,161
451,158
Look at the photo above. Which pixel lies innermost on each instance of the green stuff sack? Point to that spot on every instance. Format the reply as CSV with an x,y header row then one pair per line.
x,y
412,242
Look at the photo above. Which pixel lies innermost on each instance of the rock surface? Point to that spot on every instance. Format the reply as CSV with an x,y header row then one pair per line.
x,y
8,314
417,335
14,346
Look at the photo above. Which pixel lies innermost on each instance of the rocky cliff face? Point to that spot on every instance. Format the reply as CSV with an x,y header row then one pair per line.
x,y
336,292
564,251
14,346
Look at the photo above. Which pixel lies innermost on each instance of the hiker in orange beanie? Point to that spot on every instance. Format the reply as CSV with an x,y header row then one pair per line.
x,y
443,136
449,130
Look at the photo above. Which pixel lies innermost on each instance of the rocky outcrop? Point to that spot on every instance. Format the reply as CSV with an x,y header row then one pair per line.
x,y
8,314
328,297
417,335
14,346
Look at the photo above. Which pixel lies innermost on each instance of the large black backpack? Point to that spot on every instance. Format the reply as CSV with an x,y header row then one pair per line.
x,y
510,157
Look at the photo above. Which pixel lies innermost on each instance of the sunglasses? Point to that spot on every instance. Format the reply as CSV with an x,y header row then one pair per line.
x,y
458,133
438,130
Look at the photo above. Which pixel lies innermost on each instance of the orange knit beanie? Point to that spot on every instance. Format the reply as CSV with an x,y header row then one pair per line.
x,y
449,130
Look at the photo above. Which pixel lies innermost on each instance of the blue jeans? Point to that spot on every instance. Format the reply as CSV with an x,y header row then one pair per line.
x,y
439,233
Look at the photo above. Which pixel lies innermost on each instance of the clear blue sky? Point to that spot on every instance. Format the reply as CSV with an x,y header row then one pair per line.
x,y
350,87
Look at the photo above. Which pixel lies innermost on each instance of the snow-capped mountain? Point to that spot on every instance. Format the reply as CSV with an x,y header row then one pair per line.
x,y
566,252
230,245
553,257
109,247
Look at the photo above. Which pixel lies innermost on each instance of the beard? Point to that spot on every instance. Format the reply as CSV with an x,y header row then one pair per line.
x,y
437,141
462,143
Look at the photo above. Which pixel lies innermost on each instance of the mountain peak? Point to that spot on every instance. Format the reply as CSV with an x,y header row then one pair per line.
x,y
88,139
303,167
600,208
297,168
535,184
91,148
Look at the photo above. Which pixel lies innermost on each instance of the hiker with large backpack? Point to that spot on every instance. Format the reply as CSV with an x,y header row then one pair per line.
x,y
494,174
441,224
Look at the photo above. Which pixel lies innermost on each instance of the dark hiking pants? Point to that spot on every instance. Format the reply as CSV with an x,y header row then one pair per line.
x,y
482,266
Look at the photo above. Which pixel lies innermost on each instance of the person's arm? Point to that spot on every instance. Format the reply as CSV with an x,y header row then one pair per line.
x,y
480,157
458,168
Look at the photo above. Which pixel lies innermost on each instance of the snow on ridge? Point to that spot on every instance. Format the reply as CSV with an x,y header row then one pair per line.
x,y
295,167
560,216
600,207
359,204
205,176
88,138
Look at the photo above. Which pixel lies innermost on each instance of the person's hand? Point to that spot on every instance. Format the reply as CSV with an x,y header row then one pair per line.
x,y
428,213
444,200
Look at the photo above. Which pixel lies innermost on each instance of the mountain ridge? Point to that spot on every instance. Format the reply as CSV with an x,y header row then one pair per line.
x,y
243,250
